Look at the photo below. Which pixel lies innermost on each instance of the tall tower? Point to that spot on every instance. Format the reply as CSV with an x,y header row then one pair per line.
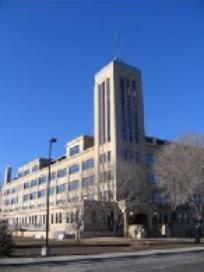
x,y
119,116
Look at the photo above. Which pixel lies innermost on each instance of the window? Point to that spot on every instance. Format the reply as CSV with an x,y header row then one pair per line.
x,y
150,178
26,197
13,190
88,164
74,150
20,174
52,219
71,217
62,173
156,198
8,192
102,158
42,180
52,175
34,168
7,202
89,196
186,218
33,195
179,218
60,201
51,190
87,181
106,175
13,201
136,156
73,185
26,185
93,217
26,172
23,173
149,159
67,217
41,193
128,155
124,155
73,199
60,217
73,169
34,182
109,156
61,188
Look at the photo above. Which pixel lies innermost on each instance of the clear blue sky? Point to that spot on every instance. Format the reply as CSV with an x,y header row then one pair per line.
x,y
50,51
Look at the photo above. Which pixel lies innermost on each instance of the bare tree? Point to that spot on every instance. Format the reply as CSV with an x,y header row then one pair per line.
x,y
131,184
128,185
179,170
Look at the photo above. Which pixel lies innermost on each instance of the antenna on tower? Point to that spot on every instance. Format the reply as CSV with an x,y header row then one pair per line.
x,y
116,44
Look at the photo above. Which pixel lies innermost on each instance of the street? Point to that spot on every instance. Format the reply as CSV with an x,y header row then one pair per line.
x,y
188,262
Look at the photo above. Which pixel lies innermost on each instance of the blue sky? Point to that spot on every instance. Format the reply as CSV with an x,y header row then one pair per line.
x,y
50,51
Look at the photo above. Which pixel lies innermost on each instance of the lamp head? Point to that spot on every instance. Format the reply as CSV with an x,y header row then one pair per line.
x,y
53,140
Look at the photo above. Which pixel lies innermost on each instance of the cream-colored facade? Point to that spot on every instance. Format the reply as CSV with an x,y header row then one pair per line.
x,y
84,187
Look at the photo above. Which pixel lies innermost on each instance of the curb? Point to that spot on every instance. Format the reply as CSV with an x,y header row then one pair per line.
x,y
107,256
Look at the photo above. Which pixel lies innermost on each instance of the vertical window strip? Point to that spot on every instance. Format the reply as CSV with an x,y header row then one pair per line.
x,y
103,114
108,109
134,108
128,110
123,113
99,114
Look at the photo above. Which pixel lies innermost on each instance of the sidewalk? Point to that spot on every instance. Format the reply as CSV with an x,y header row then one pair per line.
x,y
80,258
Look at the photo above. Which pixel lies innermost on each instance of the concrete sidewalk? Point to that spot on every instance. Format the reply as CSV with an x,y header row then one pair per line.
x,y
80,258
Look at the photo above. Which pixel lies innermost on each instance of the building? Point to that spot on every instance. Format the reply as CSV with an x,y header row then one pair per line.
x,y
88,188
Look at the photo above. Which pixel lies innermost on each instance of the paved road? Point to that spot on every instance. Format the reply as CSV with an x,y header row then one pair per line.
x,y
188,262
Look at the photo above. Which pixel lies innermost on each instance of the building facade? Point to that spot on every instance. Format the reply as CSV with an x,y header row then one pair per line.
x,y
88,188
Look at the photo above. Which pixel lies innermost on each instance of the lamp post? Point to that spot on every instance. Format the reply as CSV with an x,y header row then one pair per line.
x,y
45,249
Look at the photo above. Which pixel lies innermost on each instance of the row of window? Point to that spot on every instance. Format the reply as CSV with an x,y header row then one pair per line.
x,y
164,218
73,185
10,191
39,220
28,171
23,173
59,174
34,182
74,216
41,194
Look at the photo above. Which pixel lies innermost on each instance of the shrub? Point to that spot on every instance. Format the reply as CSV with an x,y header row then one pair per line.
x,y
6,240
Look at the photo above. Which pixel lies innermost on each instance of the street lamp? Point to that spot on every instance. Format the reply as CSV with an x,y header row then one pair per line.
x,y
45,249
